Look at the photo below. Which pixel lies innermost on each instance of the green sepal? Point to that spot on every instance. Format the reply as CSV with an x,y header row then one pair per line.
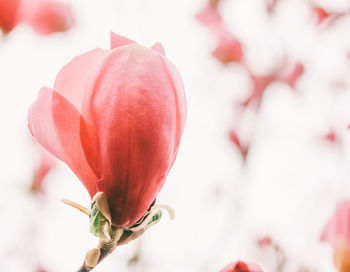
x,y
155,218
99,225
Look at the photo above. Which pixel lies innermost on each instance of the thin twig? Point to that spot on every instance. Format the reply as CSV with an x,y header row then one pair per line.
x,y
107,248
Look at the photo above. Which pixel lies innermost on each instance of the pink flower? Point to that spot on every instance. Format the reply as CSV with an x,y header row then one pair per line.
x,y
320,13
115,117
286,72
44,16
332,137
326,17
50,16
229,49
240,266
9,14
265,241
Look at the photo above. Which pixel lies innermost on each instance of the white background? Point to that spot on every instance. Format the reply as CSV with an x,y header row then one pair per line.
x,y
287,189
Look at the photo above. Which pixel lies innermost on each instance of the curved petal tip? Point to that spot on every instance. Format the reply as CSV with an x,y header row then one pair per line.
x,y
159,48
117,40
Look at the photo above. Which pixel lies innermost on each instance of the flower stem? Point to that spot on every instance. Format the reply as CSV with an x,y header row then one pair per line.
x,y
103,250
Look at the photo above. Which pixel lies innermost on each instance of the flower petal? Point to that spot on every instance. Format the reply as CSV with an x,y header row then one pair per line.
x,y
137,128
118,40
158,48
55,123
71,81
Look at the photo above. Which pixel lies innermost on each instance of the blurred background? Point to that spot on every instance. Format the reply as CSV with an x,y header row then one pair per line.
x,y
265,153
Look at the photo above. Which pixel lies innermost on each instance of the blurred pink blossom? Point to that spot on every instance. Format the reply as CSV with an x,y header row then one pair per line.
x,y
332,137
287,73
228,49
264,241
9,14
327,17
49,16
321,14
44,16
240,266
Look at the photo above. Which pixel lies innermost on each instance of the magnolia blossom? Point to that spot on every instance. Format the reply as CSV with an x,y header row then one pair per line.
x,y
44,16
240,266
287,72
9,14
326,17
228,49
49,16
115,117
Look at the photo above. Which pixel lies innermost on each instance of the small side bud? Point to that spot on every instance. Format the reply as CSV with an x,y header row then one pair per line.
x,y
92,256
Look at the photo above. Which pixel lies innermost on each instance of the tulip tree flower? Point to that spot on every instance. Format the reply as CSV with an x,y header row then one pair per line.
x,y
115,117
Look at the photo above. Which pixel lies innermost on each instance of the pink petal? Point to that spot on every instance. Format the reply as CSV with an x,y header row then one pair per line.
x,y
55,123
72,80
118,40
76,82
158,48
138,112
